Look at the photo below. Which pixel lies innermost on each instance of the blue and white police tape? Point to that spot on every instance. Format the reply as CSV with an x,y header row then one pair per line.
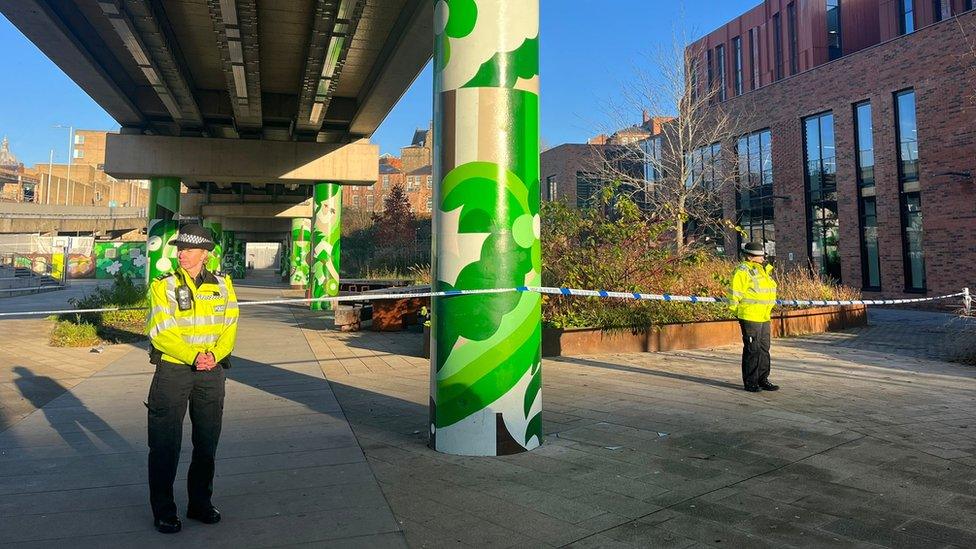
x,y
538,289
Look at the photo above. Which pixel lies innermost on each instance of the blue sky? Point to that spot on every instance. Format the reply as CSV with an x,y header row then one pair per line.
x,y
589,51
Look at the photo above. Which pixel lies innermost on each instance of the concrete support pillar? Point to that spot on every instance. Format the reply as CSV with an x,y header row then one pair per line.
x,y
284,259
301,235
240,256
216,256
227,261
326,230
486,375
164,204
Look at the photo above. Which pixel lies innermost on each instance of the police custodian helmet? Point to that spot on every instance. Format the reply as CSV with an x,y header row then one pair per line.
x,y
193,235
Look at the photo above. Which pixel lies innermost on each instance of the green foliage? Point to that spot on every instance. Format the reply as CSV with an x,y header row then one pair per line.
x,y
369,251
74,334
113,326
614,246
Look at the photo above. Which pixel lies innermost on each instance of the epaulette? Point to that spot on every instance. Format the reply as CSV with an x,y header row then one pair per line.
x,y
219,274
165,275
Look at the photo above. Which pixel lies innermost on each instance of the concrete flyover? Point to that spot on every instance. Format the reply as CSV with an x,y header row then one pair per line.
x,y
37,218
266,102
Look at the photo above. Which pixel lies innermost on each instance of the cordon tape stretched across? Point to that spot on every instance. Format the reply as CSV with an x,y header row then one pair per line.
x,y
537,289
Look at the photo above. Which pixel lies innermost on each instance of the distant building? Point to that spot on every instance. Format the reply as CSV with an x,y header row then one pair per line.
x,y
412,171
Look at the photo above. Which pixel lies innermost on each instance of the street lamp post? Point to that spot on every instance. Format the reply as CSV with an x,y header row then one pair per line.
x,y
50,168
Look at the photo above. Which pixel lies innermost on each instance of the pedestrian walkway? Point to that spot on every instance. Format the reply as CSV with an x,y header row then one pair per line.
x,y
325,434
289,468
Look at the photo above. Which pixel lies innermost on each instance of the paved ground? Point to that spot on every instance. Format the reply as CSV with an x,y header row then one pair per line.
x,y
33,373
861,447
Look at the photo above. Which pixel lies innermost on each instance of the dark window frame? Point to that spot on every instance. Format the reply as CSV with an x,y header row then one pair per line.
x,y
720,63
737,64
834,51
906,16
757,189
865,229
819,199
906,197
778,45
754,81
793,38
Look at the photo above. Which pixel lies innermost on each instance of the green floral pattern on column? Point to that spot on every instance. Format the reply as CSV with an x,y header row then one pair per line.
x,y
326,229
229,245
216,256
301,229
164,204
486,374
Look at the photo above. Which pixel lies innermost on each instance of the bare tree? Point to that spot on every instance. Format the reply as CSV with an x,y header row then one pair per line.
x,y
683,169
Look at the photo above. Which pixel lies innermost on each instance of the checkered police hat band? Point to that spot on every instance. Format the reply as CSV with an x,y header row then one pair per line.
x,y
193,239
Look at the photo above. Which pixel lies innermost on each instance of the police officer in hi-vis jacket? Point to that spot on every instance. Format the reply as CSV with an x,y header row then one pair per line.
x,y
192,327
752,299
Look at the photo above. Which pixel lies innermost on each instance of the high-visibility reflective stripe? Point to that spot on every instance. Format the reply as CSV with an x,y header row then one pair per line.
x,y
201,339
156,328
198,320
766,291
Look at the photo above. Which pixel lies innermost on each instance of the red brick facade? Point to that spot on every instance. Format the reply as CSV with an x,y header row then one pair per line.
x,y
935,61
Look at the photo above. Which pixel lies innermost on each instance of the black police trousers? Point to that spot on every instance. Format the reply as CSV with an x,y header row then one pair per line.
x,y
755,352
173,387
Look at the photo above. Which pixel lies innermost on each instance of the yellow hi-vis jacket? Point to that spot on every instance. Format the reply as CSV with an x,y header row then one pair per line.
x,y
209,325
753,292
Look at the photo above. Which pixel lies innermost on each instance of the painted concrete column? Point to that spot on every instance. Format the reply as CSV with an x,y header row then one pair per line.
x,y
216,256
240,257
227,261
301,235
326,230
164,204
283,259
486,374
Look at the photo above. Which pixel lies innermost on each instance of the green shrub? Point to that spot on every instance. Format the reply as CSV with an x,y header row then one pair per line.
x,y
113,326
74,334
614,246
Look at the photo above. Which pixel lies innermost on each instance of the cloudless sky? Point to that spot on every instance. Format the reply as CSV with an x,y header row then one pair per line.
x,y
589,50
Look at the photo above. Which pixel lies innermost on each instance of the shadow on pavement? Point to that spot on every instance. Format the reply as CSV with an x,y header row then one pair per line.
x,y
77,433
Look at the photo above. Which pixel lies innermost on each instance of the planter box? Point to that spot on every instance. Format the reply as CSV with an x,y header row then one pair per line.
x,y
695,335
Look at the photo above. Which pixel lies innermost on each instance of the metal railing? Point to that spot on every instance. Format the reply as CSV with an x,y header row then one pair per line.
x,y
33,273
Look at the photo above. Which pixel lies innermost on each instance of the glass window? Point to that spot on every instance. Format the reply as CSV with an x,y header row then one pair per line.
x,y
755,197
653,166
914,254
907,16
794,49
386,181
429,181
430,204
937,10
551,187
823,225
586,188
911,200
737,59
753,56
969,5
79,153
79,139
720,61
864,137
870,257
355,201
778,45
834,49
907,130
711,73
370,204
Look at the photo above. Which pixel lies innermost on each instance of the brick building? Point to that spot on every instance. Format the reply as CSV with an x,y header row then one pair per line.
x,y
412,171
861,152
574,172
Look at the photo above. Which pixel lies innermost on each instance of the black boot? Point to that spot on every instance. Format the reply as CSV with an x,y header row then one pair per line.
x,y
767,386
168,525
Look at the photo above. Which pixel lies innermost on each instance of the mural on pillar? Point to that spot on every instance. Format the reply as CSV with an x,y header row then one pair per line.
x,y
486,377
126,258
326,229
301,230
228,246
216,256
164,204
